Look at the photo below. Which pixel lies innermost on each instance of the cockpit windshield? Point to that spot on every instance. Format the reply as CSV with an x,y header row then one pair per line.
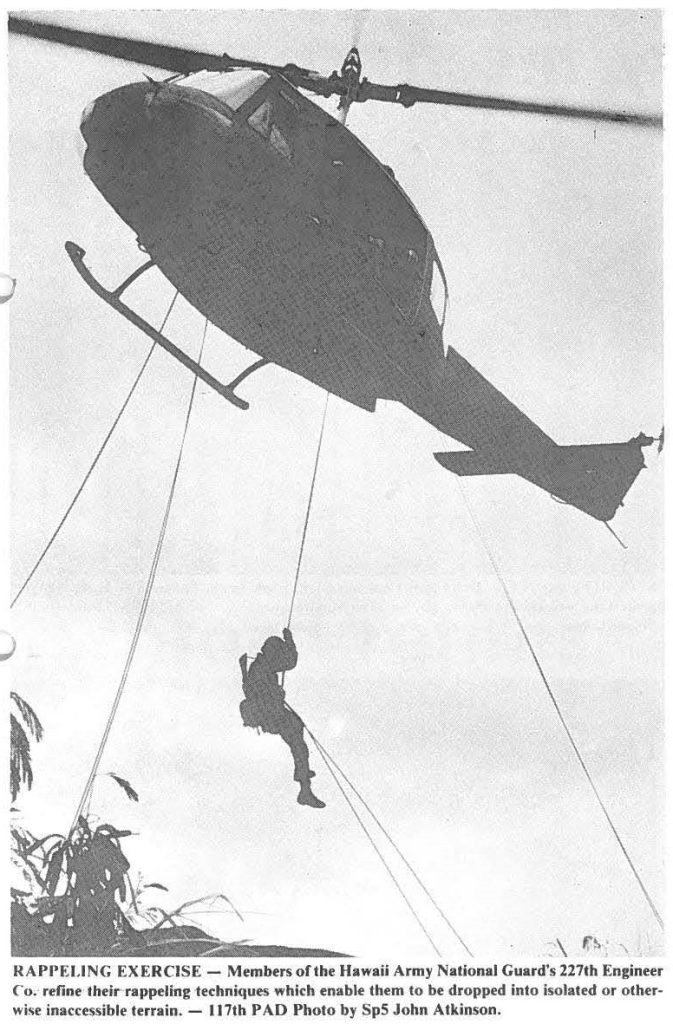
x,y
230,87
438,293
438,296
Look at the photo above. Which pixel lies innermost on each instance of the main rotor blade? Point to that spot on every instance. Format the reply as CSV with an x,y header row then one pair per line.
x,y
407,95
155,55
181,61
139,51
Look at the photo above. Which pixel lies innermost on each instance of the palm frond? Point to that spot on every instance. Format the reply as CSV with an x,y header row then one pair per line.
x,y
126,786
29,716
20,767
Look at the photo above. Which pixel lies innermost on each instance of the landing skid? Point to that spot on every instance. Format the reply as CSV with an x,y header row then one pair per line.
x,y
113,298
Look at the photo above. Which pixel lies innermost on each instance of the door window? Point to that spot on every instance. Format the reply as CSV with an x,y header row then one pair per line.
x,y
264,122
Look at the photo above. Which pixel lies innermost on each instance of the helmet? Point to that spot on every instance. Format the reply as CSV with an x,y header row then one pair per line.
x,y
273,649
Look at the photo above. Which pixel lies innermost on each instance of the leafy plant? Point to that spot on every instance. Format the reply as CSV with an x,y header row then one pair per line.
x,y
74,896
20,760
81,880
77,900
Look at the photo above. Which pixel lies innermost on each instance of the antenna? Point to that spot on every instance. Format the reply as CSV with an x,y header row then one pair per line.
x,y
616,537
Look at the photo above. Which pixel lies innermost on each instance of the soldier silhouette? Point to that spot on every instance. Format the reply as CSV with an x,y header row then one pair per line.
x,y
264,706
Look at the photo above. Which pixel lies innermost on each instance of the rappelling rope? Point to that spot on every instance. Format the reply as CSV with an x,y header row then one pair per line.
x,y
308,511
331,764
86,795
325,755
95,461
306,519
557,709
329,761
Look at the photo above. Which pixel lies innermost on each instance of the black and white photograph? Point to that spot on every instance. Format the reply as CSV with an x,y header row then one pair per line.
x,y
336,611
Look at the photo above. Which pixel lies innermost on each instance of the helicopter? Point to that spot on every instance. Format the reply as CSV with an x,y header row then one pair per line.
x,y
281,228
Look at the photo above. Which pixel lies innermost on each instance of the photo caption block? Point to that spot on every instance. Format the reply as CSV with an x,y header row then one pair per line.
x,y
215,989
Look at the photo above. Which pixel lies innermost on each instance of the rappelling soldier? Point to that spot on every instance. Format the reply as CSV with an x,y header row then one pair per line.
x,y
264,706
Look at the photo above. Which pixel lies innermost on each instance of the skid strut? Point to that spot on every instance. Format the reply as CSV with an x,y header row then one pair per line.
x,y
77,254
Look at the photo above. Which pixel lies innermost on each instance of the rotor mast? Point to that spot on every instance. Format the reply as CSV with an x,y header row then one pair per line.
x,y
351,69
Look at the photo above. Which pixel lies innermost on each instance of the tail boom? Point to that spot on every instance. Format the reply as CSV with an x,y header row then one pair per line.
x,y
593,477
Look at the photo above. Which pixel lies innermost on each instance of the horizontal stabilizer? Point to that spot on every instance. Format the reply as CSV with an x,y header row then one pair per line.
x,y
592,477
475,463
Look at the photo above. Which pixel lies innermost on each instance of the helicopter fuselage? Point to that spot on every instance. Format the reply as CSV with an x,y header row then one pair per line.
x,y
281,228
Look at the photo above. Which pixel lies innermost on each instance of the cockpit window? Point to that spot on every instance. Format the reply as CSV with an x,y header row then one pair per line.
x,y
230,87
263,121
438,293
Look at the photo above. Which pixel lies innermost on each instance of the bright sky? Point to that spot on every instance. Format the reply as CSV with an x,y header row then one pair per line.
x,y
411,669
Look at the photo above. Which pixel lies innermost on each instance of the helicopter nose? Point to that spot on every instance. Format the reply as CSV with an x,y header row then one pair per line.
x,y
87,114
86,118
81,135
119,112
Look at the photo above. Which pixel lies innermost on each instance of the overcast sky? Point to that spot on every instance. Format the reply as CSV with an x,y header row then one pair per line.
x,y
411,669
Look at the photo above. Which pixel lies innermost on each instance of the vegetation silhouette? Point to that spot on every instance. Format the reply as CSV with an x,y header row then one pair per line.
x,y
76,896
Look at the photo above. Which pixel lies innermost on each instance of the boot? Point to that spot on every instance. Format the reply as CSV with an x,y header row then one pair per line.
x,y
308,797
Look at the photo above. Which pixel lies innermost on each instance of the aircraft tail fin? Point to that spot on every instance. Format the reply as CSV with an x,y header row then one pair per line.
x,y
593,477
